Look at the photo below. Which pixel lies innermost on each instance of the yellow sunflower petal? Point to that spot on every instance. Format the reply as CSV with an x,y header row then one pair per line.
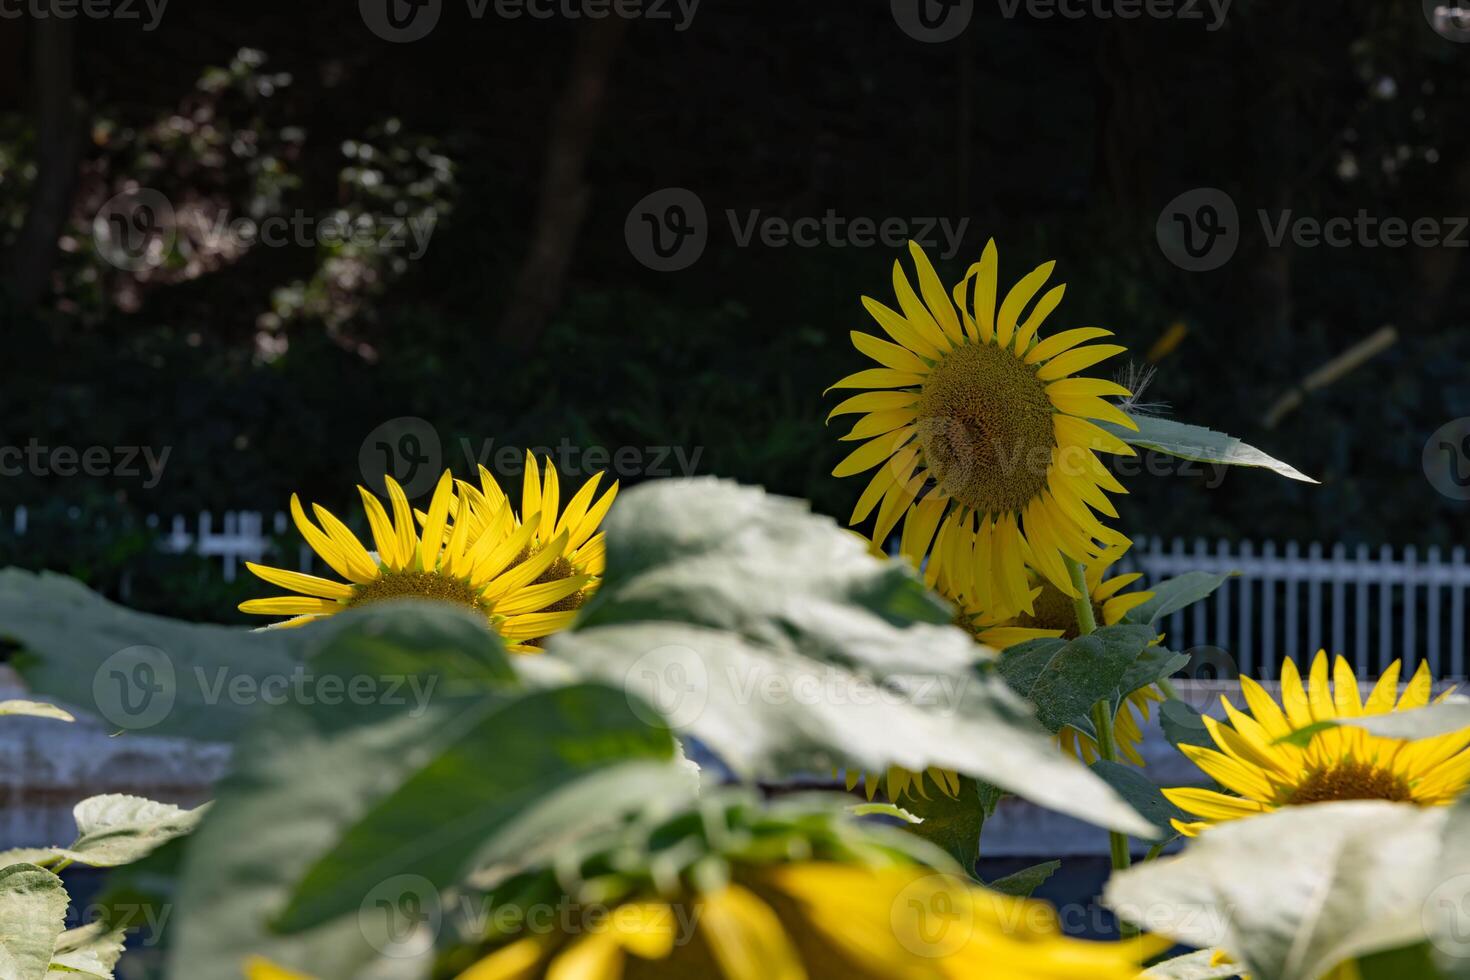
x,y
875,401
517,961
1016,300
1026,332
1213,806
1077,359
289,605
298,582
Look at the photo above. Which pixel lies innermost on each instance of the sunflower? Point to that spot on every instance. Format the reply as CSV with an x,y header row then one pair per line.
x,y
898,783
984,442
1264,772
820,921
1054,615
526,577
735,887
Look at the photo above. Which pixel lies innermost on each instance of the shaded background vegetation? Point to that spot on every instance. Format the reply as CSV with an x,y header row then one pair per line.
x,y
528,321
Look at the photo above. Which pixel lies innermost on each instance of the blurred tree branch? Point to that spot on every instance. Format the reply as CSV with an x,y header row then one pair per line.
x,y
565,193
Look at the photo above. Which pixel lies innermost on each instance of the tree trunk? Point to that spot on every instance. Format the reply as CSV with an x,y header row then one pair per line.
x,y
58,122
565,194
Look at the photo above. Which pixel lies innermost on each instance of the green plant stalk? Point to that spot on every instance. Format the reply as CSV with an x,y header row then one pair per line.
x,y
1102,720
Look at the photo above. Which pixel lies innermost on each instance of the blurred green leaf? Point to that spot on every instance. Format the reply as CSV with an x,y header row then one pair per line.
x,y
772,636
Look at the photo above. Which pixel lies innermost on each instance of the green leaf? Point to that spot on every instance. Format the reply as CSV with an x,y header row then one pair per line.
x,y
1183,724
1023,883
139,898
32,911
1415,723
1174,594
1447,907
317,782
116,829
1134,786
1153,665
575,759
34,709
150,674
773,637
952,823
88,952
1191,966
1293,893
135,671
1302,737
1064,682
1198,443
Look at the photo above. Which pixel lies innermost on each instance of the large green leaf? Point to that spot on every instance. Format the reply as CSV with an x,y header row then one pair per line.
x,y
32,911
1174,594
1153,665
1183,724
1293,893
951,822
1447,908
1198,443
320,788
775,638
1064,680
1023,883
1426,722
575,758
136,671
1134,786
165,677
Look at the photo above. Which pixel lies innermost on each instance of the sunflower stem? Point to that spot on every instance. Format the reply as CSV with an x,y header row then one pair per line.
x,y
1086,622
1102,721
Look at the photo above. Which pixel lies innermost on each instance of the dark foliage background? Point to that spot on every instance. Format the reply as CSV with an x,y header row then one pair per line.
x,y
264,369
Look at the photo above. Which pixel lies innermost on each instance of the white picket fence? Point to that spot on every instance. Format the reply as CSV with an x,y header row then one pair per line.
x,y
1371,605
